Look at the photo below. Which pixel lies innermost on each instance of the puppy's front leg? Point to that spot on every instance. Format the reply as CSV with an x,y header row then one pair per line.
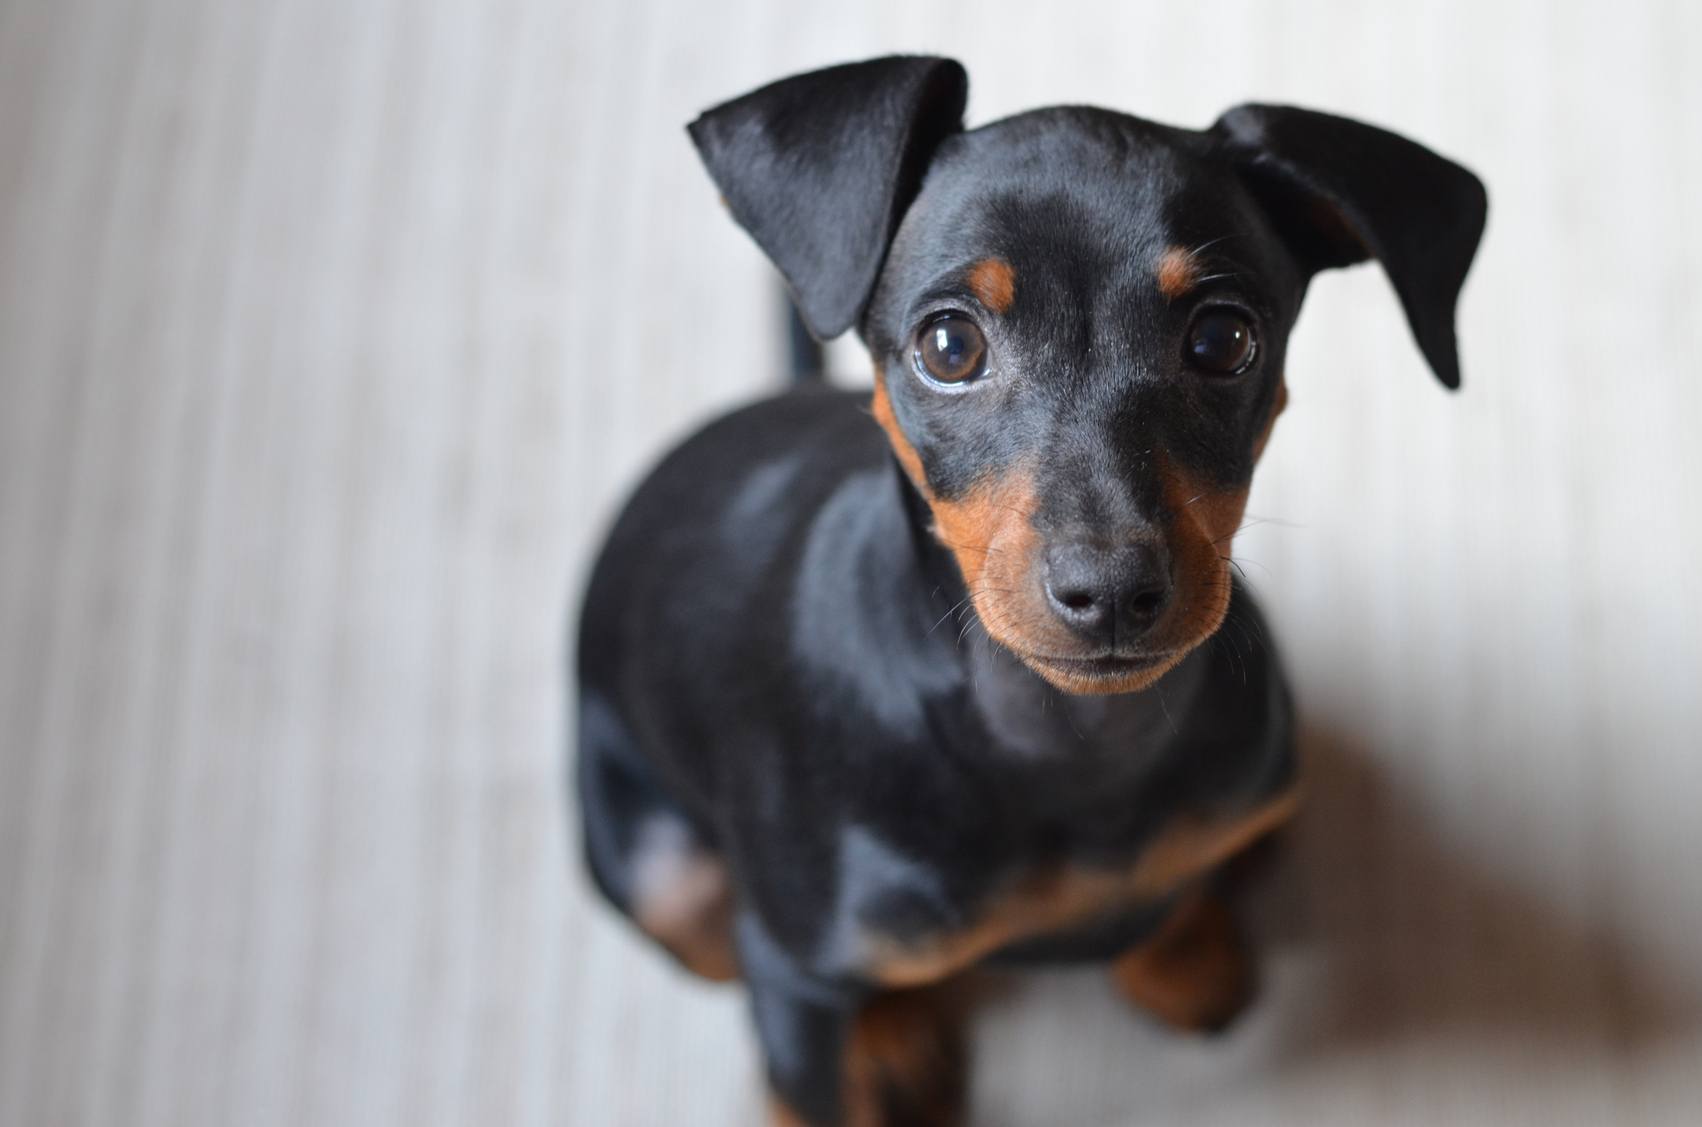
x,y
838,1054
897,1060
1195,973
803,1025
803,1037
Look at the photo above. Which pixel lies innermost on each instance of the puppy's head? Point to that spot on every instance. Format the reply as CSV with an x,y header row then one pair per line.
x,y
1078,321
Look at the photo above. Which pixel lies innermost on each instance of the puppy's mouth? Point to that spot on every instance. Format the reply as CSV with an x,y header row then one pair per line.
x,y
1105,673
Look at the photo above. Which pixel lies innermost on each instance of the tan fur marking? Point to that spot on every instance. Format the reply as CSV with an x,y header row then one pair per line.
x,y
990,530
1195,973
881,408
905,1061
993,282
1177,269
1205,521
1194,845
780,1115
1058,898
684,900
990,533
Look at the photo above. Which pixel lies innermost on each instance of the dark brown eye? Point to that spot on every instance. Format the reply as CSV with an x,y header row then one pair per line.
x,y
951,349
1221,342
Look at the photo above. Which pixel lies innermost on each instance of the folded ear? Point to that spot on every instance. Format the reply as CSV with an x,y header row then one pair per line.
x,y
820,167
1341,192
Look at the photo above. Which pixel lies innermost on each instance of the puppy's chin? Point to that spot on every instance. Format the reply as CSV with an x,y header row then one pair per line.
x,y
1101,676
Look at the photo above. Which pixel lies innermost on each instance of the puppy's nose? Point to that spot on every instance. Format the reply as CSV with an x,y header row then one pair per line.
x,y
1109,596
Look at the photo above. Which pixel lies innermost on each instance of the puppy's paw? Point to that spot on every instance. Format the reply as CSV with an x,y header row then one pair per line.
x,y
906,1064
1196,974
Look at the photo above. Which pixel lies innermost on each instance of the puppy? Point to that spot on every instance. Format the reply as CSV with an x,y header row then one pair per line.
x,y
872,691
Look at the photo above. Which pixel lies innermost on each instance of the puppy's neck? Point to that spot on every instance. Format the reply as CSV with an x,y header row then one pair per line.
x,y
1034,720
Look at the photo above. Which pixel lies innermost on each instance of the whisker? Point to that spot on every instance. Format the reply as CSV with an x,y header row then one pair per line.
x,y
1164,706
1238,560
1221,644
1278,521
1209,243
946,615
985,549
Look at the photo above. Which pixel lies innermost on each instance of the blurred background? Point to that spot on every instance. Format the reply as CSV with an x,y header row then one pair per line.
x,y
332,334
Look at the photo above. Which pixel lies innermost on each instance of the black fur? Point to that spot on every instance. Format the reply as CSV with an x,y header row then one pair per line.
x,y
819,168
777,657
1382,197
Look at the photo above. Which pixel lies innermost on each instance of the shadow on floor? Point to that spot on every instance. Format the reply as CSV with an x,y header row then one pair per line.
x,y
1411,941
1388,958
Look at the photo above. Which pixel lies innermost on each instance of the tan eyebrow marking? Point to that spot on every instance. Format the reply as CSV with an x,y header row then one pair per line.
x,y
1178,270
993,282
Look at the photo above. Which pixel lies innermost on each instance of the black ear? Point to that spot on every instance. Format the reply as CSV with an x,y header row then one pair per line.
x,y
1341,192
820,167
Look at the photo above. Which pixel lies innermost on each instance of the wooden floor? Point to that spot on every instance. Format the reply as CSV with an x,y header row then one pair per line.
x,y
331,334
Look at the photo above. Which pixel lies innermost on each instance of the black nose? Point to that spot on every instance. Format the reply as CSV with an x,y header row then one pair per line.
x,y
1108,595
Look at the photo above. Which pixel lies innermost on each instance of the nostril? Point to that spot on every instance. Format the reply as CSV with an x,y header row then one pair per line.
x,y
1080,601
1147,604
1076,600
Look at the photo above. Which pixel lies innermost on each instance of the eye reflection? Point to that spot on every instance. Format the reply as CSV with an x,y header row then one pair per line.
x,y
951,349
1221,342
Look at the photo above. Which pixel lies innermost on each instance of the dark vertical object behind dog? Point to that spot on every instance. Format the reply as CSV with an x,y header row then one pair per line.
x,y
806,359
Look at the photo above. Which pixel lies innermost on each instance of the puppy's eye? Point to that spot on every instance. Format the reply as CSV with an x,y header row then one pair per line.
x,y
951,349
1221,342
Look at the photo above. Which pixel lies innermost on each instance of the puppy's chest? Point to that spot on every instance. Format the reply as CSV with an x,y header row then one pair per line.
x,y
905,920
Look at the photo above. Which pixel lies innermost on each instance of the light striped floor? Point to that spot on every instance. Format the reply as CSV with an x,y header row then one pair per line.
x,y
330,333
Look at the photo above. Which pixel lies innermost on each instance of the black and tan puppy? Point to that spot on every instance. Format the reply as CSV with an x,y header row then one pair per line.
x,y
872,693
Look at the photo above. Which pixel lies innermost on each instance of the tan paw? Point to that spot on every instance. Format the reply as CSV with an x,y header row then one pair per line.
x,y
1195,974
